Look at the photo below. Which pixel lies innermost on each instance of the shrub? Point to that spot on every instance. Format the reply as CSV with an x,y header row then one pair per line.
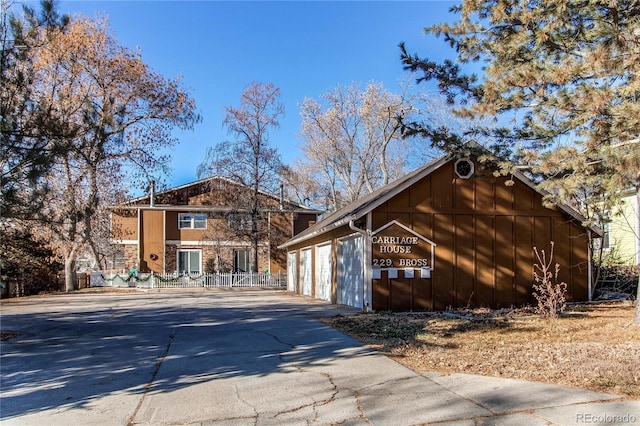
x,y
27,264
546,289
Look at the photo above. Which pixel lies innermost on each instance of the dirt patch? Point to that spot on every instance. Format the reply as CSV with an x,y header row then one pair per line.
x,y
592,347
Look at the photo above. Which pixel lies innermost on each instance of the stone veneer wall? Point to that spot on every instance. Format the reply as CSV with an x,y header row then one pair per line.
x,y
224,254
208,252
131,256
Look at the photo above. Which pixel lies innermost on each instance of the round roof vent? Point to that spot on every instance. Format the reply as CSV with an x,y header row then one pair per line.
x,y
464,168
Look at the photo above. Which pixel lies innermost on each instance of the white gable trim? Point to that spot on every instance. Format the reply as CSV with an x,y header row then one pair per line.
x,y
406,228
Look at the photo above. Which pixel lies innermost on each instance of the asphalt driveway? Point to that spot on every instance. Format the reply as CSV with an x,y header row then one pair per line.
x,y
238,357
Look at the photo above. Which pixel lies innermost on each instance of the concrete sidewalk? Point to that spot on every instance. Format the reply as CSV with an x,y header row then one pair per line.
x,y
243,357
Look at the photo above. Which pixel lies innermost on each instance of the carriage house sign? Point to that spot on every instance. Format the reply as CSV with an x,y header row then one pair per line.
x,y
397,247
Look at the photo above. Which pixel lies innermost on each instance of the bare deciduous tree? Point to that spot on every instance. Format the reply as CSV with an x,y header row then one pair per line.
x,y
249,159
121,114
353,143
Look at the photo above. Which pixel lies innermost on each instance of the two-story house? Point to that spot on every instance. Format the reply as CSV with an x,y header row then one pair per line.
x,y
207,226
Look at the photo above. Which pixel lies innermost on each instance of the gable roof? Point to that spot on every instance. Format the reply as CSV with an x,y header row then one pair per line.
x,y
359,208
201,187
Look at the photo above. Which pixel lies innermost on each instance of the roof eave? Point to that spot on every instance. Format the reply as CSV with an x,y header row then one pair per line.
x,y
387,192
203,208
211,178
564,207
393,189
322,230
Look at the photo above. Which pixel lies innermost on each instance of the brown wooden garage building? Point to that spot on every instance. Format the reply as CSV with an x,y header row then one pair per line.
x,y
450,234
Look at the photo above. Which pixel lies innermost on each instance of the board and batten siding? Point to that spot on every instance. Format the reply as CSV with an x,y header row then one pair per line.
x,y
471,244
152,248
485,233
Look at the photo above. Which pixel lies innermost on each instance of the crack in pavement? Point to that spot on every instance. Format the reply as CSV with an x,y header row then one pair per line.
x,y
363,415
156,369
316,404
256,414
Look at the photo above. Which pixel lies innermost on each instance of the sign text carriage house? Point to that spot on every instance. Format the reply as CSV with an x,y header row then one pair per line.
x,y
205,226
450,234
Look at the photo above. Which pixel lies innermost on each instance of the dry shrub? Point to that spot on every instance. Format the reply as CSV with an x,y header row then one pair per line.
x,y
546,289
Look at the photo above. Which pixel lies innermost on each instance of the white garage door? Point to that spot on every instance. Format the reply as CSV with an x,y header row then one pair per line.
x,y
350,273
292,276
305,271
323,272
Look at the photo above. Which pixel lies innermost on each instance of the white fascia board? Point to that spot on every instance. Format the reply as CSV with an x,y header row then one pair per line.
x,y
213,243
124,242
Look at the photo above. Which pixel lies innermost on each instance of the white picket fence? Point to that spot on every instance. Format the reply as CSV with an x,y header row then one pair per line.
x,y
175,280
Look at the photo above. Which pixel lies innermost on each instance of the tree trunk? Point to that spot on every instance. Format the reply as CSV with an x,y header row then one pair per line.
x,y
70,279
254,267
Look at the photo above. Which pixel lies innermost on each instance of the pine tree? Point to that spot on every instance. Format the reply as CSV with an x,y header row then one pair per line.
x,y
567,71
562,81
30,131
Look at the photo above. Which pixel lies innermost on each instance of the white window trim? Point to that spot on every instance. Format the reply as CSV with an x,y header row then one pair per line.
x,y
199,251
192,224
236,258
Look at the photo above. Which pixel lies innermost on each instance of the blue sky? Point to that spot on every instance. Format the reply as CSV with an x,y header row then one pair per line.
x,y
305,48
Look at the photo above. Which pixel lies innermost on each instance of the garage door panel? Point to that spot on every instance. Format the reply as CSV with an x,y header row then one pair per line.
x,y
323,272
292,278
350,272
305,271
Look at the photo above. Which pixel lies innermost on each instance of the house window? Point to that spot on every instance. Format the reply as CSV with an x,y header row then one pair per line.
x,y
606,237
192,221
190,261
241,261
240,221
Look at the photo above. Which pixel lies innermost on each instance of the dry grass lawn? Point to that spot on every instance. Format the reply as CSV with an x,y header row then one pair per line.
x,y
591,346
